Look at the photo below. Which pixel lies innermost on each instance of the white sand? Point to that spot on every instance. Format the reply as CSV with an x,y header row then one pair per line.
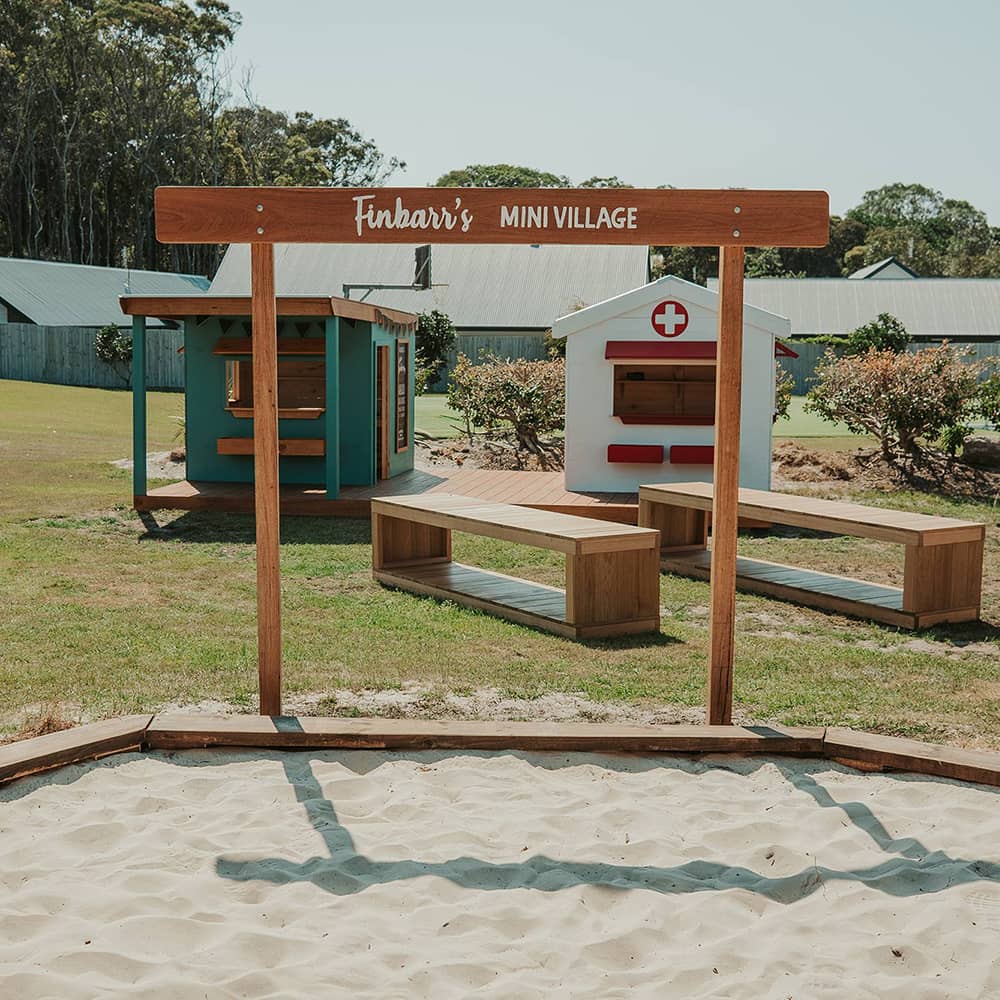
x,y
505,875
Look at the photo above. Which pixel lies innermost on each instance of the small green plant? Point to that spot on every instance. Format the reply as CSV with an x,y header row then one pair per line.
x,y
114,348
884,333
987,404
783,386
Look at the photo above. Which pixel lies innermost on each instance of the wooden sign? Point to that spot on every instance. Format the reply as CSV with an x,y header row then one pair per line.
x,y
631,216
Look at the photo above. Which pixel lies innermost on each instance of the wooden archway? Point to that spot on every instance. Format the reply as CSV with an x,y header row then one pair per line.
x,y
728,219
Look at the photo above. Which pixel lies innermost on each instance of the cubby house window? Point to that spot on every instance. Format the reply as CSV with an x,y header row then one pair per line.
x,y
682,394
301,388
402,395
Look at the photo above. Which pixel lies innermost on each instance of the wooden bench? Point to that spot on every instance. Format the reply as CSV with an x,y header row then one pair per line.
x,y
942,576
612,570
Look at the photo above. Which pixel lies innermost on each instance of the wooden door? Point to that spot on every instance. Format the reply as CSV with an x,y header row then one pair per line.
x,y
381,413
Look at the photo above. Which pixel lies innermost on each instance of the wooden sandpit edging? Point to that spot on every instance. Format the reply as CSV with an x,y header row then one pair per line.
x,y
176,732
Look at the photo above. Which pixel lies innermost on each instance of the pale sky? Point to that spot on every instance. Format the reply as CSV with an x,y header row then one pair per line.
x,y
842,96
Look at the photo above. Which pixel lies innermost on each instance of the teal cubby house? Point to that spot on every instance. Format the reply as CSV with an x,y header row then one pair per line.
x,y
345,397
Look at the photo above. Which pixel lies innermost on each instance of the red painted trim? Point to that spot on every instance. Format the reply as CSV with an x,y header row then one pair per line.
x,y
647,454
692,454
629,349
676,420
637,350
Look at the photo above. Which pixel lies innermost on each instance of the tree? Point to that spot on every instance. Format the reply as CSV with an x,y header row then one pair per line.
x,y
884,333
435,338
269,147
934,235
114,348
103,100
604,182
766,262
501,175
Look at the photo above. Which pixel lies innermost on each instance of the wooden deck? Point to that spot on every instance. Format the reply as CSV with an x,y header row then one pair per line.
x,y
542,490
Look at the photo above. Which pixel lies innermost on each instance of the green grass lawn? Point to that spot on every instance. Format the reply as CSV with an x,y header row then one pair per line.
x,y
102,616
434,418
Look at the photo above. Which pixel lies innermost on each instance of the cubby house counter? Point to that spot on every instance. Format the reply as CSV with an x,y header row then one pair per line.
x,y
943,569
612,570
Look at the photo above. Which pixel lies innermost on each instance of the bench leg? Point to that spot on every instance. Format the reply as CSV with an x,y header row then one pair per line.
x,y
396,542
679,527
943,577
605,588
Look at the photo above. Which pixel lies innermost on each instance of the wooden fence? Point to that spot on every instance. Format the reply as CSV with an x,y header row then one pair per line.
x,y
802,369
65,355
504,345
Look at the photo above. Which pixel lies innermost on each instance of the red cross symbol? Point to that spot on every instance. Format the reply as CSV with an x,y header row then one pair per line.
x,y
669,319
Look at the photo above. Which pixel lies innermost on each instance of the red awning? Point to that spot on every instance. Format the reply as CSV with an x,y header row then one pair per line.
x,y
637,350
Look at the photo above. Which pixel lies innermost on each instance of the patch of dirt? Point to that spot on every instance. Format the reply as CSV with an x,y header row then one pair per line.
x,y
496,453
160,464
415,701
866,469
40,720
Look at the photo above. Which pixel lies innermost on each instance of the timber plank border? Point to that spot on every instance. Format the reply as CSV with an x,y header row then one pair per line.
x,y
71,746
868,751
177,732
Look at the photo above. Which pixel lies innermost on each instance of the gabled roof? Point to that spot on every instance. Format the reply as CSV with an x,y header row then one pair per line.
x,y
927,307
652,292
180,306
874,270
54,294
477,286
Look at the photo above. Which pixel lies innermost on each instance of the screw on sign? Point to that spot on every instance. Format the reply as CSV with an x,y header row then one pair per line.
x,y
669,318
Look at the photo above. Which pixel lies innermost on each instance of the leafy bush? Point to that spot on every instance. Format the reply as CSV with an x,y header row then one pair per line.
x,y
114,348
528,397
435,338
783,385
900,399
884,333
987,404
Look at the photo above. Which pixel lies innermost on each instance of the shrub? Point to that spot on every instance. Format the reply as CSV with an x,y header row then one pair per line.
x,y
900,399
528,397
114,348
783,385
884,333
435,338
987,403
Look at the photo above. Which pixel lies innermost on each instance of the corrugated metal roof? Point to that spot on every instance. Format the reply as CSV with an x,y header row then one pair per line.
x,y
927,307
484,286
53,294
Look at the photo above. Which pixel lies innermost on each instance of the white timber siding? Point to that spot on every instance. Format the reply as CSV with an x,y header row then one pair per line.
x,y
590,424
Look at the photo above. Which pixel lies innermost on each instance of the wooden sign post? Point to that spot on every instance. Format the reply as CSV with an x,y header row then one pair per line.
x,y
730,219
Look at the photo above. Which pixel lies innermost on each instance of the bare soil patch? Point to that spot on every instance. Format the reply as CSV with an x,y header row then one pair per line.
x,y
866,469
480,453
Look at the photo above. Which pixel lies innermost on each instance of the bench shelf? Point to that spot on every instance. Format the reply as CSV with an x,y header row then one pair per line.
x,y
942,578
612,570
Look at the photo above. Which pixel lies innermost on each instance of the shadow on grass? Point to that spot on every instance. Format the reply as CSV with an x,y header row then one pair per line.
x,y
203,527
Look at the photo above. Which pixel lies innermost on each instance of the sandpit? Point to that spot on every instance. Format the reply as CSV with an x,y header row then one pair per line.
x,y
450,874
